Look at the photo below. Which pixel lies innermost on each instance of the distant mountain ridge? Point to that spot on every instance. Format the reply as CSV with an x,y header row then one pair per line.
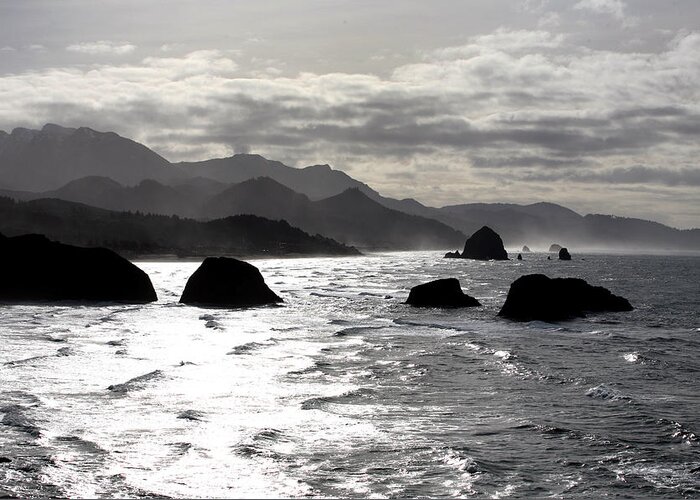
x,y
46,159
40,160
82,165
141,235
316,182
350,217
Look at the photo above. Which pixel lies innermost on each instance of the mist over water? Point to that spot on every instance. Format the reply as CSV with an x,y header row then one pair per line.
x,y
345,391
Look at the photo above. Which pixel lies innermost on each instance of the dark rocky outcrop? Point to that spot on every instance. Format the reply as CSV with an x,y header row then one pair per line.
x,y
485,244
440,293
520,257
227,282
453,255
526,249
538,297
564,254
554,248
35,269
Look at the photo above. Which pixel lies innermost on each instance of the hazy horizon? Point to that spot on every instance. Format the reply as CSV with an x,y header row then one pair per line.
x,y
589,104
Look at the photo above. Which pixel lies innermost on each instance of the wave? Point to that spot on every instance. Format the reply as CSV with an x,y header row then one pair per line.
x,y
251,347
193,415
679,432
136,383
353,330
460,461
606,393
211,321
82,445
17,362
321,402
14,416
261,445
65,351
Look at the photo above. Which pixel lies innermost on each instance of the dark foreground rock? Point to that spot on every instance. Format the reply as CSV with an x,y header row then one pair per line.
x,y
538,297
440,293
520,257
453,255
485,244
227,282
35,269
564,254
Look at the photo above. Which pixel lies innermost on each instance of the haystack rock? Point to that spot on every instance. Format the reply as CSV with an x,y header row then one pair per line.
x,y
440,293
554,248
538,297
564,254
526,249
485,244
227,282
35,269
453,255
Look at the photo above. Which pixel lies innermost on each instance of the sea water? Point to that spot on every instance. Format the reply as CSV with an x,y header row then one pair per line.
x,y
343,390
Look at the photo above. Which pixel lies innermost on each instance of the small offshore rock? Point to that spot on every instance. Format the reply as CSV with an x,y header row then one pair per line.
x,y
564,254
440,293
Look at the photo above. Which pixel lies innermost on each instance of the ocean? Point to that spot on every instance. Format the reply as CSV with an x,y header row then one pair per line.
x,y
344,391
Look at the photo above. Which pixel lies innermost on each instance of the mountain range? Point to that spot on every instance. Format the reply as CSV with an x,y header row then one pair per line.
x,y
105,170
137,234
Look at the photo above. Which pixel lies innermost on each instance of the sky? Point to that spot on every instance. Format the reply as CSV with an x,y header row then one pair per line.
x,y
592,104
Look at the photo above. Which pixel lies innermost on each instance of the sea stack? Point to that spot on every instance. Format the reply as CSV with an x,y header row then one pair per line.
x,y
564,254
538,297
526,249
453,255
485,244
36,269
227,282
554,248
520,257
440,293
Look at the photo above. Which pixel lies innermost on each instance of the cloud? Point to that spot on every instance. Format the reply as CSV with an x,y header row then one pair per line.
x,y
502,40
102,47
636,174
615,8
522,107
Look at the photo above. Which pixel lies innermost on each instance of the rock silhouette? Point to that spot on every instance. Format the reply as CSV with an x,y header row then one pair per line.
x,y
538,297
485,244
453,255
554,247
520,257
35,269
440,293
227,282
564,254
